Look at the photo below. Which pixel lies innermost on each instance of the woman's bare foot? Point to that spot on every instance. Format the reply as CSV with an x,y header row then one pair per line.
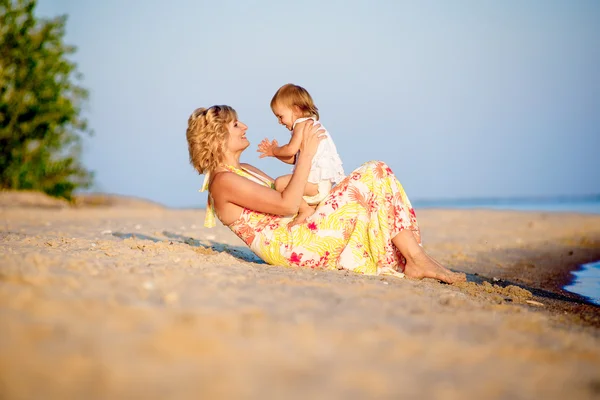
x,y
302,215
423,266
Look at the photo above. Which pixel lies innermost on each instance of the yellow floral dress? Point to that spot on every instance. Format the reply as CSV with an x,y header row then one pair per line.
x,y
351,229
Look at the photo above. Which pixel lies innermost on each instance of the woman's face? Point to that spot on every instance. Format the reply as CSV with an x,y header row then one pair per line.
x,y
237,136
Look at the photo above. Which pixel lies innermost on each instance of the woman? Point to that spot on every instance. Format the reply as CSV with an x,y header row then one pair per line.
x,y
366,224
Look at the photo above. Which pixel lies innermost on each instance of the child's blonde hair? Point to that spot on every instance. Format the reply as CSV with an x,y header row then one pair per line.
x,y
207,135
290,95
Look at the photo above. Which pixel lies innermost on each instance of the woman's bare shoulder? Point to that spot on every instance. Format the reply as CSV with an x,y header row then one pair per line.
x,y
222,178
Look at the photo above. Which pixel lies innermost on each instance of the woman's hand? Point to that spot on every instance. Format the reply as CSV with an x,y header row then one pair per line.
x,y
312,134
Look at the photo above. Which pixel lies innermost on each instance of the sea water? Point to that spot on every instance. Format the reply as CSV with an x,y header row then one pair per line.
x,y
586,280
582,204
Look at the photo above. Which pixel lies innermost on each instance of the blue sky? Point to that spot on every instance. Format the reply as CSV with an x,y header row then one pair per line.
x,y
462,99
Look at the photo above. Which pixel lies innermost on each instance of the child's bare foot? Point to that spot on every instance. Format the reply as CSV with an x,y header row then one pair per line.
x,y
302,215
423,266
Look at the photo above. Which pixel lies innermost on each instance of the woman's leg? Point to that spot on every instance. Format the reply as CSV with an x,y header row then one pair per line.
x,y
419,264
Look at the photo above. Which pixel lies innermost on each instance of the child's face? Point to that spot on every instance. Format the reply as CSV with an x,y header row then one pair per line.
x,y
285,115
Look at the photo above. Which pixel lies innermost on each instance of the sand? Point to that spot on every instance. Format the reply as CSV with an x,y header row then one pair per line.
x,y
133,300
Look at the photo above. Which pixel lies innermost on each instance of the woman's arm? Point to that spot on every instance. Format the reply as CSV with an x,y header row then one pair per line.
x,y
228,187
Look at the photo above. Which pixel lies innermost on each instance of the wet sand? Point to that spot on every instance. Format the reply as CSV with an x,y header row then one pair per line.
x,y
135,300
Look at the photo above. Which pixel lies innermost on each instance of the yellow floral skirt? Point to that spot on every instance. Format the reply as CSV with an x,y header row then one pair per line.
x,y
351,229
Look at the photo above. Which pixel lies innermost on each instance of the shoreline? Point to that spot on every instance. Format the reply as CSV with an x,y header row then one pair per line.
x,y
587,268
543,266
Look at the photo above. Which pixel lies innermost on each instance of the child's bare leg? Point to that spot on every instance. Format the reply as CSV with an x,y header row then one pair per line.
x,y
305,210
311,189
282,182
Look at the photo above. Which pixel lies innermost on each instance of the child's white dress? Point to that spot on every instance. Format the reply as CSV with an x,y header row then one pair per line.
x,y
326,169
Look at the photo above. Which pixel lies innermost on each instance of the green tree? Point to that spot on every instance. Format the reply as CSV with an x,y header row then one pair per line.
x,y
41,126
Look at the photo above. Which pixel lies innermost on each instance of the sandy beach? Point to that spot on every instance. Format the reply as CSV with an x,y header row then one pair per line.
x,y
134,300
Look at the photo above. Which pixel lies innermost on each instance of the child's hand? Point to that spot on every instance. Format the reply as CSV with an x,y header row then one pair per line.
x,y
266,148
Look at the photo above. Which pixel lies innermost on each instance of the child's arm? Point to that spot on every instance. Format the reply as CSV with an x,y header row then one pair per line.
x,y
287,160
286,153
266,148
292,148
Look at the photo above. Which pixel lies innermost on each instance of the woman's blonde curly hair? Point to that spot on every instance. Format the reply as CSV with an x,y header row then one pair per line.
x,y
206,136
